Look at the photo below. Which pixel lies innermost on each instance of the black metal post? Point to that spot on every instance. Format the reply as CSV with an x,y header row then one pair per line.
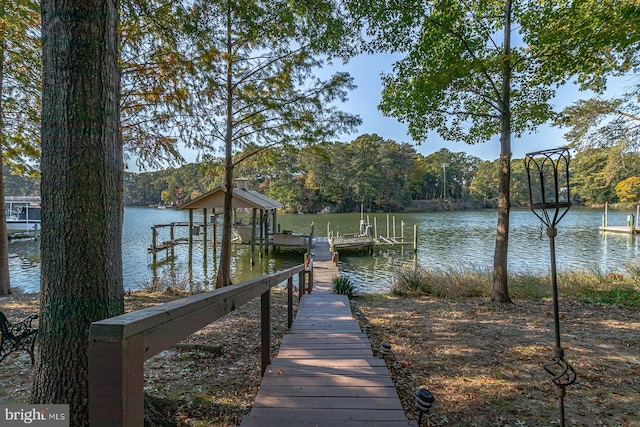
x,y
549,199
552,232
563,373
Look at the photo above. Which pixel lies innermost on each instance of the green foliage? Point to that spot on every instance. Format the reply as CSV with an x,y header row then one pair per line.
x,y
253,73
171,186
587,39
450,77
603,123
19,185
625,296
628,190
21,84
320,177
343,285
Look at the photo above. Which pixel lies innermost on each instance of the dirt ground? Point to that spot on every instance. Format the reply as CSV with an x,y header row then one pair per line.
x,y
484,364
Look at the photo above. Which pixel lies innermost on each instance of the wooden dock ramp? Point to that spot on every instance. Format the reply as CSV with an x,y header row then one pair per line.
x,y
325,374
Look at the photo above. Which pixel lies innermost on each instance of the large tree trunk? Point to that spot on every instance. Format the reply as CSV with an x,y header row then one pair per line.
x,y
82,210
500,292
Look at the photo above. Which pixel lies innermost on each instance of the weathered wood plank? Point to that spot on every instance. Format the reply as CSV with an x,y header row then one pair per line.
x,y
325,418
347,373
327,362
328,402
325,352
334,337
310,345
329,390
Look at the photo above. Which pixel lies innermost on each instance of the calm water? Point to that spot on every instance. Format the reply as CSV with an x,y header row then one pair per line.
x,y
445,239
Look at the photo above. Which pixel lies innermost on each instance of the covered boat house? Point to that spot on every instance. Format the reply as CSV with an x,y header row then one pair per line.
x,y
263,213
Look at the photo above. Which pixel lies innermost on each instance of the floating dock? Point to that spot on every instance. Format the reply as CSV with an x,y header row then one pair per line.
x,y
193,229
368,237
632,226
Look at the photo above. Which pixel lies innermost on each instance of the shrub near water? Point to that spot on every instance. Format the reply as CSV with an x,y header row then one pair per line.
x,y
343,285
592,286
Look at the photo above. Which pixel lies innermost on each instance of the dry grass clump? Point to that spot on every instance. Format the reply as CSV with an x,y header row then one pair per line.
x,y
592,285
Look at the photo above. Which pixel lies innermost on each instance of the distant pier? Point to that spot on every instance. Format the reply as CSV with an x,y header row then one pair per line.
x,y
168,245
631,227
368,236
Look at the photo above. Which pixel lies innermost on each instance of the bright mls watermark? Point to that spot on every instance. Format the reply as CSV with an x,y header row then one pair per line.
x,y
37,415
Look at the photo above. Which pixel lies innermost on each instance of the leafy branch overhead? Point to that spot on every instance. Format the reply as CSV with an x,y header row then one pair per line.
x,y
602,123
255,67
154,100
21,84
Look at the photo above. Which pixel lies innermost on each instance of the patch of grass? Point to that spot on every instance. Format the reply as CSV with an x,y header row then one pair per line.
x,y
165,283
529,286
628,297
411,281
343,285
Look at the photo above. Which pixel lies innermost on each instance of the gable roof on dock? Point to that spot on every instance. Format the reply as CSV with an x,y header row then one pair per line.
x,y
242,198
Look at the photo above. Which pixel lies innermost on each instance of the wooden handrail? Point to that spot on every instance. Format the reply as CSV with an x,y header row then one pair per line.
x,y
118,346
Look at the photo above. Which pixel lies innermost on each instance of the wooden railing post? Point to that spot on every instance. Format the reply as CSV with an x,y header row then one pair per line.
x,y
289,302
300,284
116,382
265,322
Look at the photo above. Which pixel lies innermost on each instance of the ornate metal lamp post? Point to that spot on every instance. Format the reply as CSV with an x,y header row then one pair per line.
x,y
549,199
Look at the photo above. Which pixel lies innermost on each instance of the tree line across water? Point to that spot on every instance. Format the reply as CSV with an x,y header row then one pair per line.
x,y
384,175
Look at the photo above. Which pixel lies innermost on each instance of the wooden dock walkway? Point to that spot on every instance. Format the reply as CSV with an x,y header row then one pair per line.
x,y
325,374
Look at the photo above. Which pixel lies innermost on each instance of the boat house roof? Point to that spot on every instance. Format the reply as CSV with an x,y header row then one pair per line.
x,y
242,198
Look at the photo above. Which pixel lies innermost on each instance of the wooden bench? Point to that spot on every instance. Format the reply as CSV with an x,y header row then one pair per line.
x,y
17,336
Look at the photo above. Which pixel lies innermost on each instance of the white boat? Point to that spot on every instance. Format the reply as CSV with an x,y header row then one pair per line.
x,y
27,221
